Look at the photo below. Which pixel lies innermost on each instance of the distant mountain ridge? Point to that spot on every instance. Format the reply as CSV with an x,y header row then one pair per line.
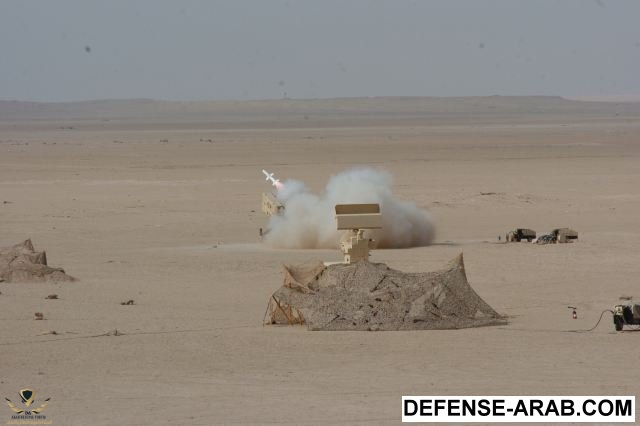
x,y
370,108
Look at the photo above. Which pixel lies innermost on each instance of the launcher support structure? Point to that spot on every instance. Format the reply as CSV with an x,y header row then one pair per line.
x,y
356,218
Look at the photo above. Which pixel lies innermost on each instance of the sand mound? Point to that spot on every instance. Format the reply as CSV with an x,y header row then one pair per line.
x,y
372,296
21,263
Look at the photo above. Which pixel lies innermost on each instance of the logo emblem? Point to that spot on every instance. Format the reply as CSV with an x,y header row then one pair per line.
x,y
27,396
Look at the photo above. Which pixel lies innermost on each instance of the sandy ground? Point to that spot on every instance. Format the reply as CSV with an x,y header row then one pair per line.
x,y
166,212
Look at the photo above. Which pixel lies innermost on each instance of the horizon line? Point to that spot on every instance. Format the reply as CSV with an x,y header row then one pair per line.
x,y
631,98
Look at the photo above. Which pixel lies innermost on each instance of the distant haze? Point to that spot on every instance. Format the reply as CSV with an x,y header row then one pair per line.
x,y
259,49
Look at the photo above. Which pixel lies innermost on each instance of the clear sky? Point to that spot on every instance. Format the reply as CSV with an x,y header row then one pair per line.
x,y
255,49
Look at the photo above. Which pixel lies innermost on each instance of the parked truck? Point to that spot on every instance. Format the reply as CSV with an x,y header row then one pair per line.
x,y
520,234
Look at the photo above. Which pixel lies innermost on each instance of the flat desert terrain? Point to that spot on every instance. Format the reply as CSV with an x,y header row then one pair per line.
x,y
159,202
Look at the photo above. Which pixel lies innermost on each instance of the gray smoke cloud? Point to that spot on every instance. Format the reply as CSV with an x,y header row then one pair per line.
x,y
309,219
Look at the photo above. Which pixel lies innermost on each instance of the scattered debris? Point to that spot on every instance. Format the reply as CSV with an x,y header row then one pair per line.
x,y
38,316
128,302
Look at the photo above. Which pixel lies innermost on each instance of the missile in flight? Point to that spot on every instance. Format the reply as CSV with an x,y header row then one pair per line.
x,y
275,182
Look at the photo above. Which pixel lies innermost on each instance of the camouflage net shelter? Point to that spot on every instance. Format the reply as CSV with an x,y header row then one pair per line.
x,y
372,296
21,263
546,239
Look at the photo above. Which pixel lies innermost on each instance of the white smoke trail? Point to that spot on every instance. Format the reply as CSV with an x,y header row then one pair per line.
x,y
309,220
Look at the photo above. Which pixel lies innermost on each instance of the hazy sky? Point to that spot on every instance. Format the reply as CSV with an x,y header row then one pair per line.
x,y
74,50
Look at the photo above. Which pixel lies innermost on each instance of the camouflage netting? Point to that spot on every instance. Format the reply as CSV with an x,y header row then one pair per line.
x,y
546,239
21,263
372,296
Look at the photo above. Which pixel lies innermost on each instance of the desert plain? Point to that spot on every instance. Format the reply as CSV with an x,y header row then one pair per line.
x,y
159,202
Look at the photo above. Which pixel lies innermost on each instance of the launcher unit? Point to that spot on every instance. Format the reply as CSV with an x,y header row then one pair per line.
x,y
356,218
271,205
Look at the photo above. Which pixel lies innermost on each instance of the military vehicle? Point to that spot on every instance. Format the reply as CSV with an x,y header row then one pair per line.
x,y
564,235
626,315
520,234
